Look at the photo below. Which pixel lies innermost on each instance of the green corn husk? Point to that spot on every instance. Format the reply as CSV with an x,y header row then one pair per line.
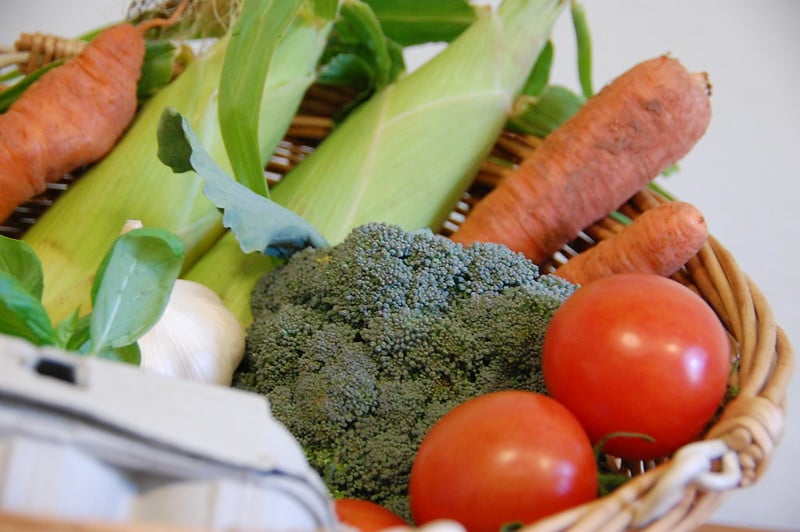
x,y
131,183
408,154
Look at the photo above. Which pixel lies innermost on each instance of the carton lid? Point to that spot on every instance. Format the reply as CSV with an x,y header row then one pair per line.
x,y
208,422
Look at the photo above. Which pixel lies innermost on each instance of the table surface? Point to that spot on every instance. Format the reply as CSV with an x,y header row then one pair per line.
x,y
743,174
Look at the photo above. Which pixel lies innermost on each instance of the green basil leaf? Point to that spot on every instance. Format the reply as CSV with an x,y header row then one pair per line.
x,y
130,354
132,286
23,315
19,260
258,223
72,331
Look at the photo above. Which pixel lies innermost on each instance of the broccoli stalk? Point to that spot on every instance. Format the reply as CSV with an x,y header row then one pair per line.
x,y
361,347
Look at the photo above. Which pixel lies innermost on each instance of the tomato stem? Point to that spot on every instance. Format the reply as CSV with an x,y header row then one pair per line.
x,y
598,448
609,480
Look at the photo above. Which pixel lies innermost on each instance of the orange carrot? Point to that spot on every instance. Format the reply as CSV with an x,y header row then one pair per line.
x,y
73,115
619,140
659,241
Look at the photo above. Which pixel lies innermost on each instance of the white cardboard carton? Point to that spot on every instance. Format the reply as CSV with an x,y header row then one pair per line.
x,y
87,438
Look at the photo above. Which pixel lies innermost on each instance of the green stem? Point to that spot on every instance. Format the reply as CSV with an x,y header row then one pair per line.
x,y
583,41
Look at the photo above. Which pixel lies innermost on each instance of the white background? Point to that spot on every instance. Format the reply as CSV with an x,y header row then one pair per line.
x,y
743,174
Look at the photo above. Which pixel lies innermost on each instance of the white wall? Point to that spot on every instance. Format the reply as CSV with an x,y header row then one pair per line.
x,y
743,174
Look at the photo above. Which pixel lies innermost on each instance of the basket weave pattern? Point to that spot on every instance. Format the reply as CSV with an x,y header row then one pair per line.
x,y
676,494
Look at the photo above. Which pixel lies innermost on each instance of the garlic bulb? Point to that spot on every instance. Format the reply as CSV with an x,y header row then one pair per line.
x,y
197,337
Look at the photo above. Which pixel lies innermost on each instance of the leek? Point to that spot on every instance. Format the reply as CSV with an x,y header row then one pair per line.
x,y
243,72
407,155
131,183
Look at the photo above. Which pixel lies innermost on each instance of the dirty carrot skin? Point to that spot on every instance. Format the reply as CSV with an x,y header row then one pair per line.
x,y
621,138
73,115
659,241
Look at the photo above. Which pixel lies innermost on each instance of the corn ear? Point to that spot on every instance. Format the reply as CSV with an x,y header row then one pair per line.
x,y
407,155
131,183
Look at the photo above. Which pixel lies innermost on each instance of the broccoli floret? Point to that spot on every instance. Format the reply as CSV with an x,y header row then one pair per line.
x,y
361,347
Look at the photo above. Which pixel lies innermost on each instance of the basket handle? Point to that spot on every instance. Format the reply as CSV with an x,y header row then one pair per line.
x,y
691,465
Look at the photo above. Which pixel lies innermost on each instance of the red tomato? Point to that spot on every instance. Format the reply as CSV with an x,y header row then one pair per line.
x,y
504,457
637,353
366,516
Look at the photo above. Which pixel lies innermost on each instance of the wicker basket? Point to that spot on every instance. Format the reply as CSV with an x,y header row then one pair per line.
x,y
675,494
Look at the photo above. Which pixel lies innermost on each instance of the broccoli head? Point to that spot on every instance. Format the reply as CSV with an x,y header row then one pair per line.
x,y
361,347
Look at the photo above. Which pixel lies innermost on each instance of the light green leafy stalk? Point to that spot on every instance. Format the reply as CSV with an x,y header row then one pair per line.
x,y
540,74
131,183
541,114
411,22
583,42
406,156
247,61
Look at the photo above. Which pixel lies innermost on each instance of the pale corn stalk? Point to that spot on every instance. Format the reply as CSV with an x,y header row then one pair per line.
x,y
131,183
408,154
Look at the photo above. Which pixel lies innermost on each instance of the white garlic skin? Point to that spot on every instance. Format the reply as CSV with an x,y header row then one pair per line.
x,y
197,337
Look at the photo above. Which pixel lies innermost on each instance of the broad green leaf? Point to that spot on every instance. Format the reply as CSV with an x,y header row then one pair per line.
x,y
358,26
23,315
20,261
346,69
359,55
259,224
253,40
133,286
540,115
411,22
